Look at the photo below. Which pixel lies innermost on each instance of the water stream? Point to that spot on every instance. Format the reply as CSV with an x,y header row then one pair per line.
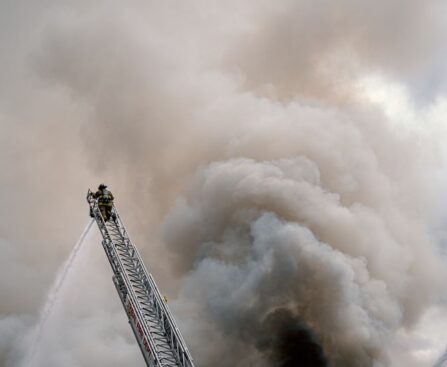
x,y
52,297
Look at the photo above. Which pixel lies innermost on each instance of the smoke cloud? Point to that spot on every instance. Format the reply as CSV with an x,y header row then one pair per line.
x,y
266,237
279,165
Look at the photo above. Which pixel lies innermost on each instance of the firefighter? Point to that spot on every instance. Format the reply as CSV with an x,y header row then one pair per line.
x,y
105,201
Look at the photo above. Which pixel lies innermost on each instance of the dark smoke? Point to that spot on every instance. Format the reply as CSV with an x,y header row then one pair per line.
x,y
289,342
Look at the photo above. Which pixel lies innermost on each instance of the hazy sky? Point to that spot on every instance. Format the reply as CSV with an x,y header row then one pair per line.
x,y
273,160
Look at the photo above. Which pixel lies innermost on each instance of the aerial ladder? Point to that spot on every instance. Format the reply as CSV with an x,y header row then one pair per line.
x,y
151,320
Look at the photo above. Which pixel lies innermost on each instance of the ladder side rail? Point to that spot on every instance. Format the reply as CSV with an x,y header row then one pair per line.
x,y
170,327
176,337
140,287
139,314
107,241
153,293
133,326
112,253
182,349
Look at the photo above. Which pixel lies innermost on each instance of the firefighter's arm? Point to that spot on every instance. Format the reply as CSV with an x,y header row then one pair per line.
x,y
112,197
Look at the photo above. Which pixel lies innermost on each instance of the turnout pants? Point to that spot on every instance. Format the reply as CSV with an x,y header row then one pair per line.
x,y
106,211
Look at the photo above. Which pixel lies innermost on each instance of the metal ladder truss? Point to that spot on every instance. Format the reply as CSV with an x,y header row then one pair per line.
x,y
151,320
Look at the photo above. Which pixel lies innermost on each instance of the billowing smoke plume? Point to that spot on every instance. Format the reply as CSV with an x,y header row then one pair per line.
x,y
279,164
268,242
